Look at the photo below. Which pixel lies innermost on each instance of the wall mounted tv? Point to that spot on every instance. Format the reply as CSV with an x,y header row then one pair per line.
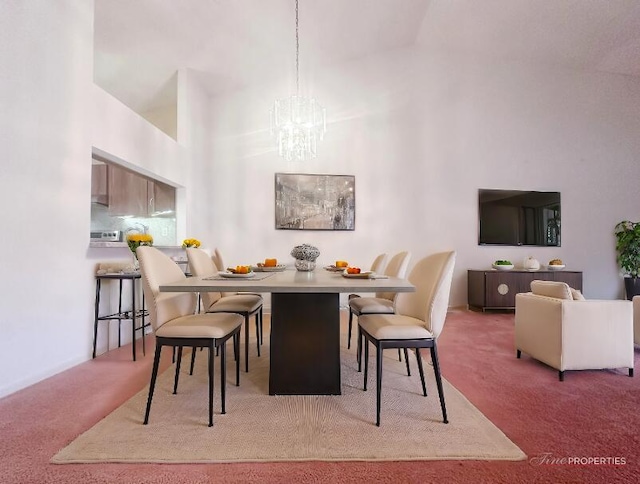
x,y
516,217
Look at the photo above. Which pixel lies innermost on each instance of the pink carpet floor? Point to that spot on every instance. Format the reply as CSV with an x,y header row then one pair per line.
x,y
592,414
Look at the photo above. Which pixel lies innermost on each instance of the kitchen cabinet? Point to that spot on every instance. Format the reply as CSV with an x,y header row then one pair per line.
x,y
497,289
162,197
132,194
127,192
99,184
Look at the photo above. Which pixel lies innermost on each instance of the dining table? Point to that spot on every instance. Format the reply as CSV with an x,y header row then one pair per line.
x,y
305,320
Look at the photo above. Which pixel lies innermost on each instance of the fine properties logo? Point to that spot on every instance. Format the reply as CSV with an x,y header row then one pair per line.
x,y
548,459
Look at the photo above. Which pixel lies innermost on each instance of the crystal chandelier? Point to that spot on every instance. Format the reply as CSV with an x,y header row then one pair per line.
x,y
297,122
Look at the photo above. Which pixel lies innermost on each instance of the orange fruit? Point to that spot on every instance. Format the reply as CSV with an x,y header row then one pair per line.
x,y
270,262
341,263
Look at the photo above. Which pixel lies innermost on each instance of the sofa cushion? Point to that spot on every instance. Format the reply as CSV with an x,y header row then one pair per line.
x,y
559,290
577,295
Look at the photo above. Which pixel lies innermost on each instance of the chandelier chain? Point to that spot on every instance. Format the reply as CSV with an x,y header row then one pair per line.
x,y
298,123
297,54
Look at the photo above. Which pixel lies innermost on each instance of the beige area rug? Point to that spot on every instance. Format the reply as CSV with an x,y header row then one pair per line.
x,y
259,427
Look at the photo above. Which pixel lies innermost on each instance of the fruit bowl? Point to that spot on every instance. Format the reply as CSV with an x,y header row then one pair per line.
x,y
502,267
556,267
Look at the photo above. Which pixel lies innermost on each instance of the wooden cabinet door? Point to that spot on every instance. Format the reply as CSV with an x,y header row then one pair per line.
x,y
99,184
162,197
128,193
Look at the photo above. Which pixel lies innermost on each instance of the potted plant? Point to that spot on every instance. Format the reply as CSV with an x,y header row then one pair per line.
x,y
628,255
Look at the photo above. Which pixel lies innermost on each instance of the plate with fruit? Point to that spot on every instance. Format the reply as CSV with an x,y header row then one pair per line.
x,y
556,265
356,273
339,266
502,265
241,272
269,265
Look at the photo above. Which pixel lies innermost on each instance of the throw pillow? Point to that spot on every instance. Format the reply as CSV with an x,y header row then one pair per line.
x,y
577,295
559,290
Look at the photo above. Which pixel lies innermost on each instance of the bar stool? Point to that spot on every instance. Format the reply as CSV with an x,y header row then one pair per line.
x,y
132,314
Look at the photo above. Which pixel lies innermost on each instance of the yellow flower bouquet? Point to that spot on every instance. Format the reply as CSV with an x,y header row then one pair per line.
x,y
190,243
136,240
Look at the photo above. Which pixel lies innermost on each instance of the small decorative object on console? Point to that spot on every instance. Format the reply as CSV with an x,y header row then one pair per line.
x,y
305,256
531,264
556,265
502,265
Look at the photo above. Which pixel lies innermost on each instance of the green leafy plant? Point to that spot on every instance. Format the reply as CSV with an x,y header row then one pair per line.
x,y
628,247
503,263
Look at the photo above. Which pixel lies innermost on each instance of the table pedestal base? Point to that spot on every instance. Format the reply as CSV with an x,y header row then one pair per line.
x,y
305,344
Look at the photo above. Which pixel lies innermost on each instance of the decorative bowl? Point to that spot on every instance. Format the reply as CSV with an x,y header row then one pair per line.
x,y
502,267
556,267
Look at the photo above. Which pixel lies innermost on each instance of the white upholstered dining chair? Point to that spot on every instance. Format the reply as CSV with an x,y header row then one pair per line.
x,y
175,324
378,266
417,322
382,302
247,305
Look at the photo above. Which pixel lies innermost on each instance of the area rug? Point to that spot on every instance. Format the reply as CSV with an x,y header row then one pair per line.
x,y
258,427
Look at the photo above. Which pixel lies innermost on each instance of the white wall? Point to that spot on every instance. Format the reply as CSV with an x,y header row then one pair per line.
x,y
45,133
422,134
52,115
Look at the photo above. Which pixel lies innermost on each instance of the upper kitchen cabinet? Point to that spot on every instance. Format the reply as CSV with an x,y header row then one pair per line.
x,y
162,198
128,193
99,183
125,192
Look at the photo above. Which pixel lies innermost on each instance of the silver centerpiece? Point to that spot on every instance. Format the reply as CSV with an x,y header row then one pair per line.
x,y
305,256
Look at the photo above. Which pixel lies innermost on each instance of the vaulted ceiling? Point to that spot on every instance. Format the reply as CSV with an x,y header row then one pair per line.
x,y
231,44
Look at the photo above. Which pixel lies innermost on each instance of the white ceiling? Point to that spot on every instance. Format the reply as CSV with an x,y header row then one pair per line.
x,y
139,45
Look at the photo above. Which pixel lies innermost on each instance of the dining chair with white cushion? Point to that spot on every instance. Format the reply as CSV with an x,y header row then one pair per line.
x,y
247,305
175,324
378,266
417,322
382,302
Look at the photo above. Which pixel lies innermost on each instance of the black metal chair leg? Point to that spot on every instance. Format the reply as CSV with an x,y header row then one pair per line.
x,y
175,383
378,382
236,351
400,356
350,326
421,370
246,343
561,375
406,359
518,353
436,369
211,359
193,359
631,372
258,332
223,376
366,362
152,385
359,350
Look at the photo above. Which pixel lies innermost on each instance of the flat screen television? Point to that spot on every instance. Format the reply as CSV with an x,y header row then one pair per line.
x,y
517,217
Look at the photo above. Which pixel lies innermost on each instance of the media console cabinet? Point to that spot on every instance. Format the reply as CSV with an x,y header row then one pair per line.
x,y
495,289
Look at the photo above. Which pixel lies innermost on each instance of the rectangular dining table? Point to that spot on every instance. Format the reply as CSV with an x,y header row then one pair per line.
x,y
305,322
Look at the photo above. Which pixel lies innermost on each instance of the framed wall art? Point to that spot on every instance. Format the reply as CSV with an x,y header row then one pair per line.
x,y
315,202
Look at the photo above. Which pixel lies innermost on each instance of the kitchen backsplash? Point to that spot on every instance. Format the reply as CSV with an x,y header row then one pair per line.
x,y
162,229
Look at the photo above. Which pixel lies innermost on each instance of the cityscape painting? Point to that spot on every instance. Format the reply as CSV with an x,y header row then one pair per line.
x,y
315,202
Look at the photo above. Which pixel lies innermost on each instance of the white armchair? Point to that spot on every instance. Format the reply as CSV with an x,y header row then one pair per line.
x,y
557,328
636,320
